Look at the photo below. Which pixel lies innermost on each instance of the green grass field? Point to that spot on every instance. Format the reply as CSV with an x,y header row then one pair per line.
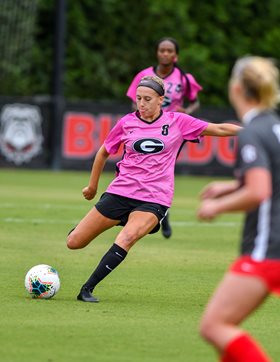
x,y
149,307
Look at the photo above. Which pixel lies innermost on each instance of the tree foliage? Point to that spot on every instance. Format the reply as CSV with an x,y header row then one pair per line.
x,y
109,41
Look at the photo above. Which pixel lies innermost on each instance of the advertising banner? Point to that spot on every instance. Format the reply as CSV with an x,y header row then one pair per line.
x,y
28,134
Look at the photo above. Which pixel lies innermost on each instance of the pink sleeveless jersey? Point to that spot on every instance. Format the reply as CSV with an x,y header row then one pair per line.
x,y
176,88
146,171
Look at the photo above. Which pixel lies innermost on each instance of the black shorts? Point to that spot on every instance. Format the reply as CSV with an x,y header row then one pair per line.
x,y
119,207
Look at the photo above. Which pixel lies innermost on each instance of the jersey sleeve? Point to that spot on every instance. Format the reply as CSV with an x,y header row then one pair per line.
x,y
190,127
114,139
251,152
195,88
131,92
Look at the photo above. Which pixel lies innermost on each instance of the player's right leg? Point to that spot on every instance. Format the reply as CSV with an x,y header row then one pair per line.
x,y
93,224
235,298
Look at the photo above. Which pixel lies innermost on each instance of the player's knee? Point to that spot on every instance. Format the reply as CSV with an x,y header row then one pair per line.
x,y
207,329
73,241
126,239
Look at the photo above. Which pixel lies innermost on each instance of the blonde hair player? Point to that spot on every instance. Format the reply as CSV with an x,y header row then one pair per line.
x,y
254,93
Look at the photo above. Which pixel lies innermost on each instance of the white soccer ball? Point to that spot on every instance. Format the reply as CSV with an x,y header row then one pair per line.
x,y
42,281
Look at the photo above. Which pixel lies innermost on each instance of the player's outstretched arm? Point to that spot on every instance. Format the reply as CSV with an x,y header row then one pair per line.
x,y
221,129
98,164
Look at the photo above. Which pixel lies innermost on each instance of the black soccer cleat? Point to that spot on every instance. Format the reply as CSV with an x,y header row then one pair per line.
x,y
86,296
165,227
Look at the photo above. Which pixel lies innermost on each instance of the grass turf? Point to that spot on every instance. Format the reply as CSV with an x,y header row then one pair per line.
x,y
150,306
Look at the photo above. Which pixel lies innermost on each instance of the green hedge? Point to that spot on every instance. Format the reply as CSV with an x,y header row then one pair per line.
x,y
109,41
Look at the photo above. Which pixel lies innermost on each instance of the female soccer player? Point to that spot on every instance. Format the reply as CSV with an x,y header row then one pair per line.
x,y
179,86
140,195
254,92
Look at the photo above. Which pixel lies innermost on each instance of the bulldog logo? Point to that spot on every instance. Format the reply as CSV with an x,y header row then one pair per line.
x,y
20,132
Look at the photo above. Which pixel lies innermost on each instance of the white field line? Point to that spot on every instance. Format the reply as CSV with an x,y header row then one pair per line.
x,y
173,211
14,220
173,223
43,206
205,224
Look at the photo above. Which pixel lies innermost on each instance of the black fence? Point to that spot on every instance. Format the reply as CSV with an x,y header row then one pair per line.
x,y
30,138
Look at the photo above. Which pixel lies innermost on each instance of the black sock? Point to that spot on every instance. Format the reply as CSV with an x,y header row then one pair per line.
x,y
114,256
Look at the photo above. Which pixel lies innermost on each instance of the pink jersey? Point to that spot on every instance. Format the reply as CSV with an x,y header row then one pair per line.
x,y
176,88
146,171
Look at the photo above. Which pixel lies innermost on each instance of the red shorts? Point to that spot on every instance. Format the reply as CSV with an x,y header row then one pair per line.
x,y
268,270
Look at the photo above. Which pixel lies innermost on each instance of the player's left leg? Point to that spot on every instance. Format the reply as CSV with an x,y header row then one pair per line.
x,y
138,225
235,298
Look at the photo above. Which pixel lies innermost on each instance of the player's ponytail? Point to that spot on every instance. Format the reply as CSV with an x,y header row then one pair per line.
x,y
184,76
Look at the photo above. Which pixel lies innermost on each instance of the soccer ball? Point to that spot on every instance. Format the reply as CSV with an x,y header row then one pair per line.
x,y
42,281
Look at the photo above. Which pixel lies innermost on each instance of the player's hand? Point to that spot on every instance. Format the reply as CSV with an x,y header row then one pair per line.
x,y
207,210
214,190
89,192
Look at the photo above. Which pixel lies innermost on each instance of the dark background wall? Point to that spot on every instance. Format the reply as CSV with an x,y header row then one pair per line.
x,y
27,134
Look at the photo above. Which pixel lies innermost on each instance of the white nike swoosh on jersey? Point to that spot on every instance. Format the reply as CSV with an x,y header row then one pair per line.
x,y
107,266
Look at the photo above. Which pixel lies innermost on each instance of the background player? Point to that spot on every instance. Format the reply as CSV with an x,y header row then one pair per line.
x,y
179,87
139,197
254,92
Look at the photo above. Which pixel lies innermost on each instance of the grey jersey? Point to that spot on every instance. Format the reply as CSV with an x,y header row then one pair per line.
x,y
259,146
